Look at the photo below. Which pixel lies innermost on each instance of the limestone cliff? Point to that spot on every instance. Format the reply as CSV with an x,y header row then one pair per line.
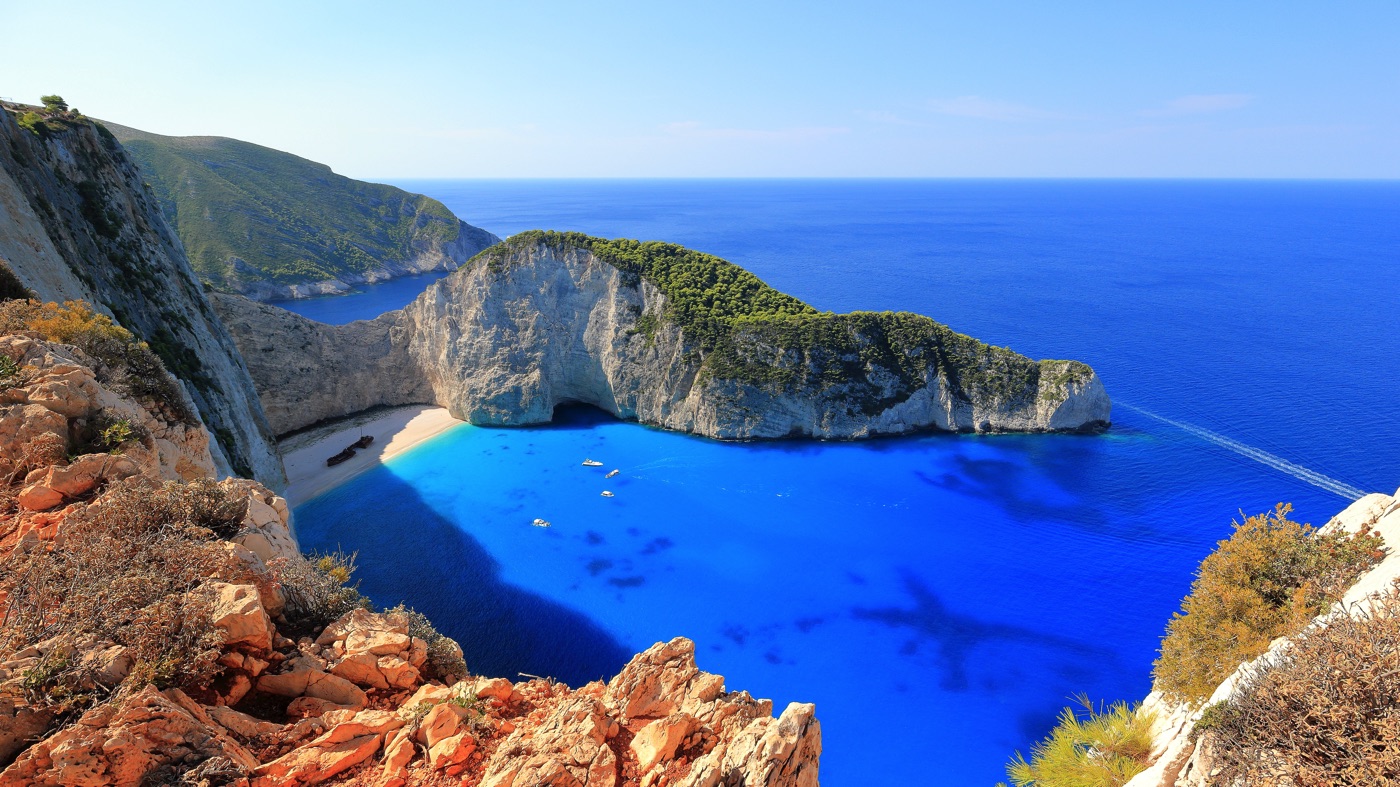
x,y
76,222
546,319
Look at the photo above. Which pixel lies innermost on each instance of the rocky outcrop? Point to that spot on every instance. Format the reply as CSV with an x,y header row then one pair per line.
x,y
535,324
76,222
51,410
1183,759
371,699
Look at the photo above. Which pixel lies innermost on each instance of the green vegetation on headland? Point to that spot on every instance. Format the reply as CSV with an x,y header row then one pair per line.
x,y
749,332
247,213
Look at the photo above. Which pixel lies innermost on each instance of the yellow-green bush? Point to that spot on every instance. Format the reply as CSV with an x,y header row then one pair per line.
x,y
1267,580
1088,748
125,363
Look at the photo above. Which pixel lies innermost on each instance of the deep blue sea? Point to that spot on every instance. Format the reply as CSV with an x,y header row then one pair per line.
x,y
941,597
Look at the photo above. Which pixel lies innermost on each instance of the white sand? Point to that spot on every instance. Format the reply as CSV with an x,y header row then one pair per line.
x,y
394,431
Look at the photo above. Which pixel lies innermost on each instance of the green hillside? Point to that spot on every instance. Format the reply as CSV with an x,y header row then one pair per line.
x,y
250,216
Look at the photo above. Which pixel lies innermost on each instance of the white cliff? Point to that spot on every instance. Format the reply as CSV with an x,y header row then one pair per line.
x,y
542,321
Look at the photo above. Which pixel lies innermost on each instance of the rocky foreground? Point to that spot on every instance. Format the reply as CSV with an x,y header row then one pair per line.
x,y
355,702
546,319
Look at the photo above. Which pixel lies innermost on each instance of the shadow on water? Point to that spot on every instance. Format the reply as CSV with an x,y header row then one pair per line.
x,y
954,636
410,554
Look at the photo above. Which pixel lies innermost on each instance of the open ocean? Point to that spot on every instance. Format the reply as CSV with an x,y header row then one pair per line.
x,y
940,597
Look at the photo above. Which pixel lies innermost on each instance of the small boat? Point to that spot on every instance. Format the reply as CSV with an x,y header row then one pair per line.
x,y
606,493
540,523
612,473
592,463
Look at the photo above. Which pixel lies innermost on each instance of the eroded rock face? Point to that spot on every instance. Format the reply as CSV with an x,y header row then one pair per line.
x,y
507,343
120,744
76,222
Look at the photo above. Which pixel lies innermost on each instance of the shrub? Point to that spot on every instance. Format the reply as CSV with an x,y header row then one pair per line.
x,y
54,103
445,661
127,571
11,373
1088,748
111,436
124,362
1325,712
317,589
1270,578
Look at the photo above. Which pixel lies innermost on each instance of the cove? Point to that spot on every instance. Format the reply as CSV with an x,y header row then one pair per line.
x,y
939,596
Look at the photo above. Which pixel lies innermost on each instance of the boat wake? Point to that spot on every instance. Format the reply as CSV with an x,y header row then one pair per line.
x,y
1262,457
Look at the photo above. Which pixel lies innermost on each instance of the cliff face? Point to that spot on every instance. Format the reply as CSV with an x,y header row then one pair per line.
x,y
77,223
532,325
308,372
270,225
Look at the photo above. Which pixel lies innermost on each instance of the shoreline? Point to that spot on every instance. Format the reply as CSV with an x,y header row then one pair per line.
x,y
394,430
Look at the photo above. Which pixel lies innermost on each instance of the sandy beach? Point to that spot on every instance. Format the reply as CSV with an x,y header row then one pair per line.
x,y
395,430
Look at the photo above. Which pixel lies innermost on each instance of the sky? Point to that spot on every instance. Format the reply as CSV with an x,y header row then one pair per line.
x,y
414,88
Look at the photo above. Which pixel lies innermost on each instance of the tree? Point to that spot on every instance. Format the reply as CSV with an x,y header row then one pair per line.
x,y
54,103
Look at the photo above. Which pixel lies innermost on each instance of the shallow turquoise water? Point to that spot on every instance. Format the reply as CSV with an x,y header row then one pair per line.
x,y
944,595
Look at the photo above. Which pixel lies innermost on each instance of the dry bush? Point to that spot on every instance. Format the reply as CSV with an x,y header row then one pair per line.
x,y
1326,712
318,589
124,363
445,662
125,572
1269,579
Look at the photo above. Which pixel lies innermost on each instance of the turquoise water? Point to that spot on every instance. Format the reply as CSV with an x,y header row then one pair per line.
x,y
942,595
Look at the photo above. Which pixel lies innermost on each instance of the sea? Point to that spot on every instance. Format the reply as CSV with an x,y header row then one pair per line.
x,y
940,598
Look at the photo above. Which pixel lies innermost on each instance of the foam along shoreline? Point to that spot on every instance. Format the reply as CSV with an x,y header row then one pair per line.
x,y
394,431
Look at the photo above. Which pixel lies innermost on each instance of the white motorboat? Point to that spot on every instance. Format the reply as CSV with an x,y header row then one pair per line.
x,y
540,523
592,463
612,473
606,493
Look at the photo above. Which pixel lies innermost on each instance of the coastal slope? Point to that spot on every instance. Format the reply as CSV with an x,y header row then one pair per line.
x,y
271,225
150,616
659,334
77,223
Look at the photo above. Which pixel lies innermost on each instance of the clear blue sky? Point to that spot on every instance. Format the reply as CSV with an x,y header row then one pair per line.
x,y
570,89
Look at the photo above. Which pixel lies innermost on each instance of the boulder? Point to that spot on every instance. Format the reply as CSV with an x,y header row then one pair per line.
x,y
239,615
659,740
305,679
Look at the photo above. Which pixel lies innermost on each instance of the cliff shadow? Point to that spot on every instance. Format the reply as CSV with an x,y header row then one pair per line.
x,y
409,553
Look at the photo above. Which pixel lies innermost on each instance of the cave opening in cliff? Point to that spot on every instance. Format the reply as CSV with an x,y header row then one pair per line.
x,y
571,414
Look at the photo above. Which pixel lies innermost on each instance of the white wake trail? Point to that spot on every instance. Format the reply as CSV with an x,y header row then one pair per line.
x,y
1263,457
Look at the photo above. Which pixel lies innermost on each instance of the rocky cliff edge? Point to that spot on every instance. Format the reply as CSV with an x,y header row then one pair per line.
x,y
195,679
